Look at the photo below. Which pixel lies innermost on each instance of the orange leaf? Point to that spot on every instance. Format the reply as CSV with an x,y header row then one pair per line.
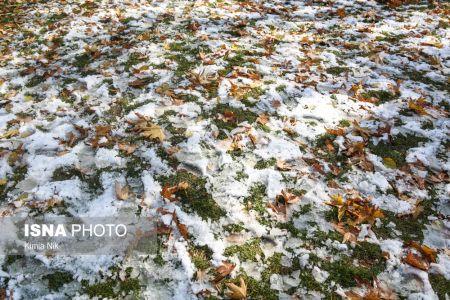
x,y
337,131
415,261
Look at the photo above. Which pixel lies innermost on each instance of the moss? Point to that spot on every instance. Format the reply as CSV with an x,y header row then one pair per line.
x,y
337,70
57,280
398,148
248,251
196,198
256,200
263,164
441,286
239,115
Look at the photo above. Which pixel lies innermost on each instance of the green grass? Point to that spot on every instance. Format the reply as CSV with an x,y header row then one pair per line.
x,y
240,115
397,150
257,199
196,198
337,70
246,252
263,164
57,280
370,263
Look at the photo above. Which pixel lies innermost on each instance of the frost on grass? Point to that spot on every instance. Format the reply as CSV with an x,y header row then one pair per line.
x,y
288,149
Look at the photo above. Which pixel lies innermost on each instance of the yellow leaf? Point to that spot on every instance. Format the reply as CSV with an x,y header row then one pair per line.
x,y
3,182
153,131
337,200
10,133
237,292
389,162
28,98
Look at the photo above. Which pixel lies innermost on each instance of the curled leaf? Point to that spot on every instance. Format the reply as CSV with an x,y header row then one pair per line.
x,y
237,292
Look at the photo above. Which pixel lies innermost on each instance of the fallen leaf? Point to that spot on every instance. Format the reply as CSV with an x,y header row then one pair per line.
x,y
389,162
340,12
223,271
127,148
122,192
10,133
263,119
415,261
337,131
237,292
288,198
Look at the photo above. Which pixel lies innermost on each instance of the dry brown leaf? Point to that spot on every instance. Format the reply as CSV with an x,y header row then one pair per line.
x,y
288,198
415,261
127,148
275,103
263,119
168,191
337,131
340,12
429,253
122,192
418,106
223,271
237,292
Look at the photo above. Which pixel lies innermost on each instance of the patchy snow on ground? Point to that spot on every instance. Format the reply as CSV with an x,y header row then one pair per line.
x,y
299,146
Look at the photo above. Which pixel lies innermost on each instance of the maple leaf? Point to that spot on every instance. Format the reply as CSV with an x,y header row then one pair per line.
x,y
418,106
237,292
223,271
122,192
416,261
360,130
139,83
288,198
369,214
429,253
127,148
147,129
263,119
336,200
168,191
